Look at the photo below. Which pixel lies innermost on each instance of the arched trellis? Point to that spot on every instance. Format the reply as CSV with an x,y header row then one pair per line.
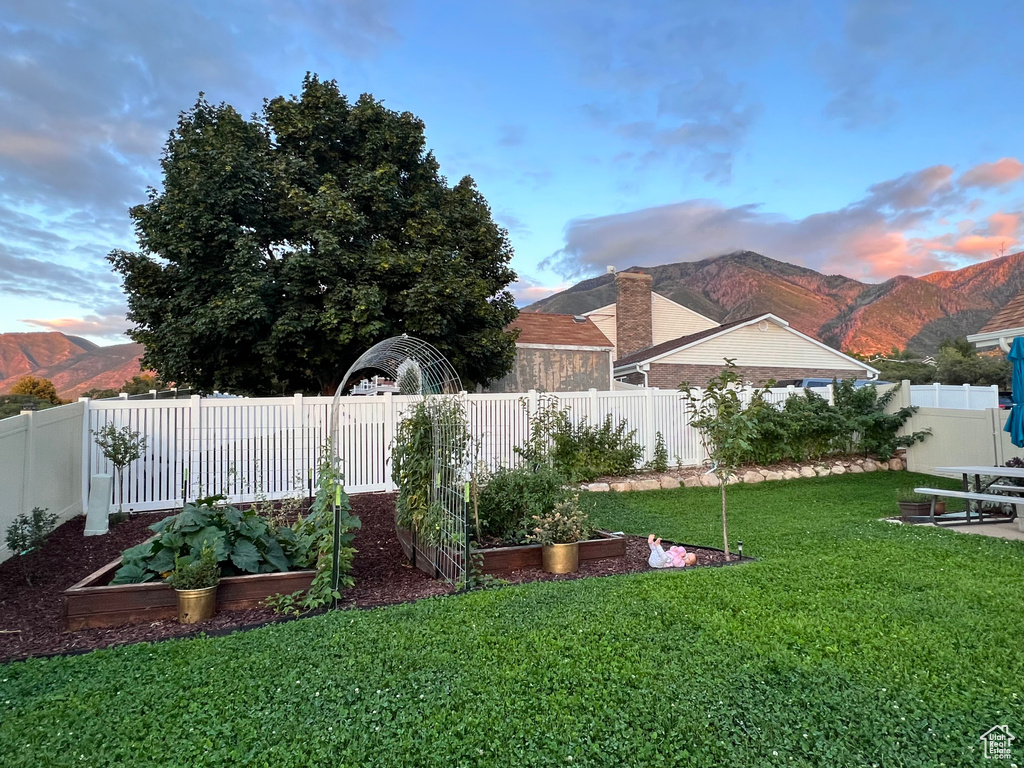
x,y
420,370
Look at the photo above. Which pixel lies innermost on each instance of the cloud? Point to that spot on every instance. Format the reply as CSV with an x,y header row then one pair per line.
x,y
527,290
110,327
890,231
1002,172
512,135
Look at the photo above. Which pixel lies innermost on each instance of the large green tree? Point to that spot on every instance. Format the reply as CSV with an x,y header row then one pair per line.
x,y
283,246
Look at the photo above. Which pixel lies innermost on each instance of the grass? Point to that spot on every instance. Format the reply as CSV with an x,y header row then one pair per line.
x,y
850,642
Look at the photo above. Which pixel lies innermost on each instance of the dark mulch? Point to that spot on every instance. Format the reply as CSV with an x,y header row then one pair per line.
x,y
30,615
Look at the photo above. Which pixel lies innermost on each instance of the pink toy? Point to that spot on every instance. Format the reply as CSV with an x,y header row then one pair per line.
x,y
675,557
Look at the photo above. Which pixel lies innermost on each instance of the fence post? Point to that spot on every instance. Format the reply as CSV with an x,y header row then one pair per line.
x,y
86,454
967,396
533,402
593,406
995,396
28,465
389,438
831,393
192,464
299,474
936,391
649,422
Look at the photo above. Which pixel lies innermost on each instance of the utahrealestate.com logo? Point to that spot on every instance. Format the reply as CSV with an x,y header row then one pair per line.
x,y
997,742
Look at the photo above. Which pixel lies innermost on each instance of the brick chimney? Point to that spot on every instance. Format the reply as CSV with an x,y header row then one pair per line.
x,y
633,329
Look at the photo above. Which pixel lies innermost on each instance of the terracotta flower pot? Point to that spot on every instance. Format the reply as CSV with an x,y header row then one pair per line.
x,y
196,605
561,558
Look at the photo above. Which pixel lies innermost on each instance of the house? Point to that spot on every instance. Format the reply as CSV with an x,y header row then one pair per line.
x,y
764,347
1005,325
649,319
558,353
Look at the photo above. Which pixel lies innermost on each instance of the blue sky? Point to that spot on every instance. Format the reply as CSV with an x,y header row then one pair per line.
x,y
865,138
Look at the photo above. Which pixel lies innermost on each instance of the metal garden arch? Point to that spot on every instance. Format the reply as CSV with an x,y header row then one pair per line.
x,y
421,371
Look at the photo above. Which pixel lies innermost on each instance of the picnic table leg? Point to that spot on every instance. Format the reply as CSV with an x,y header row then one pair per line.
x,y
932,512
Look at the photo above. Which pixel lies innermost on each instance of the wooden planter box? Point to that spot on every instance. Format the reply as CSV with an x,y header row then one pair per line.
x,y
529,555
94,602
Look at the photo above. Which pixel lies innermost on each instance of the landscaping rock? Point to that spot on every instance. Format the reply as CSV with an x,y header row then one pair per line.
x,y
691,482
790,474
710,480
882,466
856,469
773,476
667,481
753,477
645,485
620,487
870,466
822,471
734,480
838,469
599,487
764,472
807,472
895,464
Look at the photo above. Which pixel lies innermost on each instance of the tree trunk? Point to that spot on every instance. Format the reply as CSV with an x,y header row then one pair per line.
x,y
725,529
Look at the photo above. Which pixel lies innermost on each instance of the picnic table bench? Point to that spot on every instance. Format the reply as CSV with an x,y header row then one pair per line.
x,y
996,498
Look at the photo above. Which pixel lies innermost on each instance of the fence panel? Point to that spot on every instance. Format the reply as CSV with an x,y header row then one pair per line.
x,y
963,397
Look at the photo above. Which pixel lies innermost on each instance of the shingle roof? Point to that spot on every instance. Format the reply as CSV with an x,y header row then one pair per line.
x,y
558,330
1010,316
682,341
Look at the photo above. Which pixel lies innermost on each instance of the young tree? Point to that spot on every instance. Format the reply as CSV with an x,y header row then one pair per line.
x,y
283,246
727,428
120,447
36,387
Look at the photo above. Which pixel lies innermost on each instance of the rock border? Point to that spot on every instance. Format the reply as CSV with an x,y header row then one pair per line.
x,y
694,477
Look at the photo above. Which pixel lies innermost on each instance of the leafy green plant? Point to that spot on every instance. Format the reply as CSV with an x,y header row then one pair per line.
x,y
867,427
195,573
434,431
27,534
316,532
242,542
727,429
659,463
580,451
564,524
512,495
120,447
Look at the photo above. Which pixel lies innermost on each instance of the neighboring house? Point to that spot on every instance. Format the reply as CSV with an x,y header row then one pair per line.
x,y
764,348
645,326
1005,325
558,353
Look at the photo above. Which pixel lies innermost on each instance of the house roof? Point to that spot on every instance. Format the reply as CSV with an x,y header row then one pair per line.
x,y
667,347
1010,316
682,341
558,331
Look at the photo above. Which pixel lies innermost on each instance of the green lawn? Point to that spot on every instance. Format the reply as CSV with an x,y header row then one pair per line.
x,y
851,642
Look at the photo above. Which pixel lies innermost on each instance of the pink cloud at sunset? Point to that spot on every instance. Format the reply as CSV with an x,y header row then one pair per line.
x,y
1000,173
920,222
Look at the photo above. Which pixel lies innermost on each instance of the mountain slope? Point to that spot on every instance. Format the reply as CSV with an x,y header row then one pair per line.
x,y
902,312
74,365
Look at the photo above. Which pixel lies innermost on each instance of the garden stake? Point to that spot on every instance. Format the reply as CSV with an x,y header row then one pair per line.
x,y
336,561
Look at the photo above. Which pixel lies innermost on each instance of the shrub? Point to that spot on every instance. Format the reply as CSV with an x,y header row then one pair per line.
x,y
660,461
195,574
416,449
564,524
27,534
511,496
581,452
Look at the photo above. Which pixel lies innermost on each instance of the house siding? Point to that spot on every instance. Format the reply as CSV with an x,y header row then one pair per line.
x,y
556,370
775,347
669,320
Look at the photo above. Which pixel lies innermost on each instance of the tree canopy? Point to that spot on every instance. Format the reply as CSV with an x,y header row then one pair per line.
x,y
283,246
42,389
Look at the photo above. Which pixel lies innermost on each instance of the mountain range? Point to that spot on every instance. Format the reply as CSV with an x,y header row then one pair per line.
x,y
914,313
73,364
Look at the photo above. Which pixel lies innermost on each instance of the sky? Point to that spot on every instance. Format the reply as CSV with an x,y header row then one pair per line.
x,y
869,138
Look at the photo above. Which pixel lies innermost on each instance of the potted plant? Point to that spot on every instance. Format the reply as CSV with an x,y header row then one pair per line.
x,y
195,580
559,532
917,504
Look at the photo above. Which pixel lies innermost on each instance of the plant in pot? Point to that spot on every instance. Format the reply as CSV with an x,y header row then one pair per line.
x,y
195,580
917,504
559,532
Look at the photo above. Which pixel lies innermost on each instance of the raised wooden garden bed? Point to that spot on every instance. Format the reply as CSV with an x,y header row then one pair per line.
x,y
94,602
529,555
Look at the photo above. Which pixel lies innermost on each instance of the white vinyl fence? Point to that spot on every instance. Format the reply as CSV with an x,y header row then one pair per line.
x,y
963,397
248,448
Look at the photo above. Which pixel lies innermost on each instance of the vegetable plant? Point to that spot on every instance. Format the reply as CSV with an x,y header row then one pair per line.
x,y
198,573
